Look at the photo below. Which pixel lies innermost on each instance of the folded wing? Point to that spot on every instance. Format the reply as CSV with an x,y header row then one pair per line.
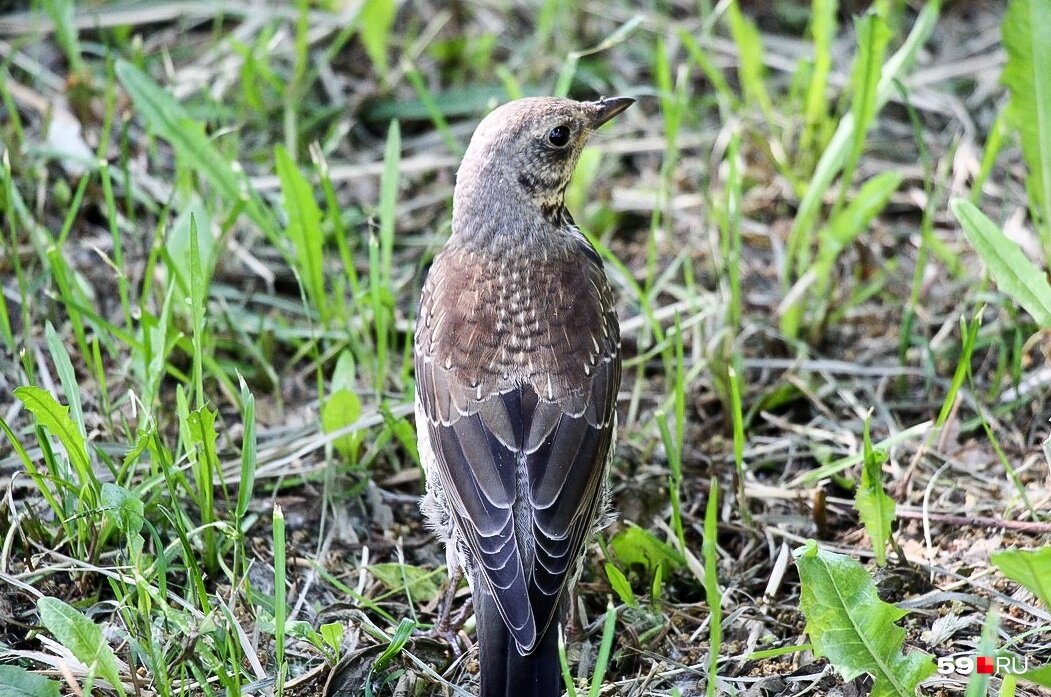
x,y
521,453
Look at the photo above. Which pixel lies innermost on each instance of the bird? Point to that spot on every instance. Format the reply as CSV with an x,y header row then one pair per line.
x,y
517,366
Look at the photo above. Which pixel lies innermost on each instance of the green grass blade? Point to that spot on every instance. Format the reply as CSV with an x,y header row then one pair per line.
x,y
750,69
737,418
61,13
280,607
567,675
67,376
1027,41
569,67
727,98
397,642
994,143
39,479
433,110
374,27
381,252
844,227
835,154
604,650
873,37
170,120
712,592
304,229
978,685
246,486
815,110
198,297
969,338
204,456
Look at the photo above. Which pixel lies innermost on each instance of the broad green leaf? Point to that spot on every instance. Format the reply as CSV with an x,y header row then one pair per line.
x,y
82,637
56,419
1031,568
635,546
123,507
1040,676
304,228
19,682
341,409
423,584
851,627
344,375
301,629
332,634
874,507
1027,42
1014,274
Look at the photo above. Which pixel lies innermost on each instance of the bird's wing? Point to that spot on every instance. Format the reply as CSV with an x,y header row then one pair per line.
x,y
521,461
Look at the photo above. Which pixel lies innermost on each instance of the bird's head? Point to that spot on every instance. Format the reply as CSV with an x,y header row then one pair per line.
x,y
526,150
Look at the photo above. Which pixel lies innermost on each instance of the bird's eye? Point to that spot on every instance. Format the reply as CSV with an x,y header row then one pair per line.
x,y
559,136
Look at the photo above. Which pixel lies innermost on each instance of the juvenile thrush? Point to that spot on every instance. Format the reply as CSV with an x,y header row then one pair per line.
x,y
517,354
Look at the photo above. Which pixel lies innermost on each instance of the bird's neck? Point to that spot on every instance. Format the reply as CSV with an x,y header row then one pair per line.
x,y
501,213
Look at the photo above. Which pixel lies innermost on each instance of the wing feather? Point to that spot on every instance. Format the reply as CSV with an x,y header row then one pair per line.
x,y
521,457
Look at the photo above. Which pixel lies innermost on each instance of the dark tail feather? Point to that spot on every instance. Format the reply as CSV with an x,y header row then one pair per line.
x,y
505,672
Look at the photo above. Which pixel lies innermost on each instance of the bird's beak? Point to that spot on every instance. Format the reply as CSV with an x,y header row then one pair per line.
x,y
605,109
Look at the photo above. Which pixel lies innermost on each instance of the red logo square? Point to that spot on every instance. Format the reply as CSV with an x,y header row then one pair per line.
x,y
985,665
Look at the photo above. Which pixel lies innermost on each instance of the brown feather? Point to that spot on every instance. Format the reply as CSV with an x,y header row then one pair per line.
x,y
517,356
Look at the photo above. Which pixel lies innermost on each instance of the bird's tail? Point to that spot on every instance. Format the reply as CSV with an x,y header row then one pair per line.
x,y
504,671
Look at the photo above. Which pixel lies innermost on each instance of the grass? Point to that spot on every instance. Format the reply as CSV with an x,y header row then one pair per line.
x,y
208,475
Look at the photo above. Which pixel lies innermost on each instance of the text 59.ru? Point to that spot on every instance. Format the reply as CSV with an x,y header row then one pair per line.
x,y
983,665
